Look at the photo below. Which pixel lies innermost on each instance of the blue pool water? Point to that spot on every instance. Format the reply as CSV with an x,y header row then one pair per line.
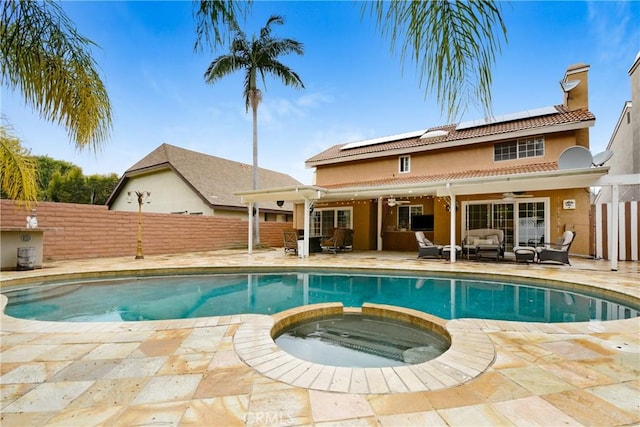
x,y
189,296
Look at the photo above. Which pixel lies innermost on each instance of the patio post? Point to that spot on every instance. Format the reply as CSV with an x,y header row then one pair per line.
x,y
379,225
250,212
452,224
613,228
307,208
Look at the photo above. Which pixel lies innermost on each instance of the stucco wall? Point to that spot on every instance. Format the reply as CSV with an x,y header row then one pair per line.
x,y
459,159
90,231
169,194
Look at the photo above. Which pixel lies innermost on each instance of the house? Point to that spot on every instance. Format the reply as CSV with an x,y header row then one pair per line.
x,y
625,143
187,182
616,205
526,173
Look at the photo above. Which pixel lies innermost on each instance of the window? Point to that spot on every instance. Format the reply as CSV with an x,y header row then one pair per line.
x,y
405,213
405,164
520,149
323,221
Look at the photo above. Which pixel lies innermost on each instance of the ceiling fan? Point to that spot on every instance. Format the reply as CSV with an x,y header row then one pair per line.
x,y
510,195
391,202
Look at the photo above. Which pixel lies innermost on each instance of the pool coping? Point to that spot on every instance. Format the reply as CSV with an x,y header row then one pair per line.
x,y
457,328
471,353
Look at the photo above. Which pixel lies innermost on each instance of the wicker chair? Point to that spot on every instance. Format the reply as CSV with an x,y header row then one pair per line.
x,y
426,248
290,238
341,240
557,252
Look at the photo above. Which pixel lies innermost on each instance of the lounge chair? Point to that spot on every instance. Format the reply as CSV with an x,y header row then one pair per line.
x,y
559,251
290,238
426,248
484,243
341,240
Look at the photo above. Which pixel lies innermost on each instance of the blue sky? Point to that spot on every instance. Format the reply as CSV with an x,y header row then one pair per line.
x,y
355,88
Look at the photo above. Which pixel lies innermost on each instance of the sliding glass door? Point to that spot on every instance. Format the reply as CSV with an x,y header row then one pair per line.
x,y
531,223
522,221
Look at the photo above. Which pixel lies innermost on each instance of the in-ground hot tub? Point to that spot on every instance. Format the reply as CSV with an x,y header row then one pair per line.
x,y
469,353
360,338
357,340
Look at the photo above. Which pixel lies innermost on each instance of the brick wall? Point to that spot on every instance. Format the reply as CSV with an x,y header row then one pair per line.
x,y
91,231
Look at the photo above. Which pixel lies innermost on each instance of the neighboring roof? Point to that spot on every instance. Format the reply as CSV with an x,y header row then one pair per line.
x,y
214,179
453,135
626,108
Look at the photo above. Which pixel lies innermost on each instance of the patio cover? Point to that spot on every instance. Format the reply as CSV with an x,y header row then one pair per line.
x,y
532,181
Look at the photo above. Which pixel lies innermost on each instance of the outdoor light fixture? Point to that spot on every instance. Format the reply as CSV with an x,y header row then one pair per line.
x,y
143,196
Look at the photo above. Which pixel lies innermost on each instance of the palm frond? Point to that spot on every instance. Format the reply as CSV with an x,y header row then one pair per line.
x,y
214,19
18,170
49,63
256,57
453,44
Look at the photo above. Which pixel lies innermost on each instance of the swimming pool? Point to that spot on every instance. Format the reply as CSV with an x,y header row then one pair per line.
x,y
201,295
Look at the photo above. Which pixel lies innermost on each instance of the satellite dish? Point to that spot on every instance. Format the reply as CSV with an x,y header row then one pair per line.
x,y
567,85
575,157
602,158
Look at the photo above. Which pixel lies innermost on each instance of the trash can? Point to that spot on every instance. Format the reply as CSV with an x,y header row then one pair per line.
x,y
26,258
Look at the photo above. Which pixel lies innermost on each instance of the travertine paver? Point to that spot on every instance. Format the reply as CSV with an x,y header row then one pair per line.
x,y
188,372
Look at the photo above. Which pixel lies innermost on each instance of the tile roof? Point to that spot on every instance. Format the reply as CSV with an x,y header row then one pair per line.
x,y
562,116
451,176
215,179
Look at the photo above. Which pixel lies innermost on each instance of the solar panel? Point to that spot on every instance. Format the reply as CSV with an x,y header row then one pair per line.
x,y
374,141
527,114
434,134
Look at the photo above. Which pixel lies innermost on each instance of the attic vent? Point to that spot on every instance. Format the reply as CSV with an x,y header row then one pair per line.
x,y
434,134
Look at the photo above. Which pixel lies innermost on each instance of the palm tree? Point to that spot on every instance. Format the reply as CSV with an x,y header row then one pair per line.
x,y
259,56
452,42
44,57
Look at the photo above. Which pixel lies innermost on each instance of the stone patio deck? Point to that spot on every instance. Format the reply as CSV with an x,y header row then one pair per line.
x,y
189,372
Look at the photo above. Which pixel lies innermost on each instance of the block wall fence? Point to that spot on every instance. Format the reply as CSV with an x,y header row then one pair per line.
x,y
75,231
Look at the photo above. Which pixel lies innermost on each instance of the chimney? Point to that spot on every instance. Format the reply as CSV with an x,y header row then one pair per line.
x,y
575,86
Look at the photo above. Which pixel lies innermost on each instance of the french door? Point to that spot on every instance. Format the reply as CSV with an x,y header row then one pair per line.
x,y
323,221
524,222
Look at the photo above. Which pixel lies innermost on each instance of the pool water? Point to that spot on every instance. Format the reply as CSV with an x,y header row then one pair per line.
x,y
357,341
190,296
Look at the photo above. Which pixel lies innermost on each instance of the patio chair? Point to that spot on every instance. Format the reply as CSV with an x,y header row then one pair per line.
x,y
558,252
336,242
426,248
348,240
290,238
